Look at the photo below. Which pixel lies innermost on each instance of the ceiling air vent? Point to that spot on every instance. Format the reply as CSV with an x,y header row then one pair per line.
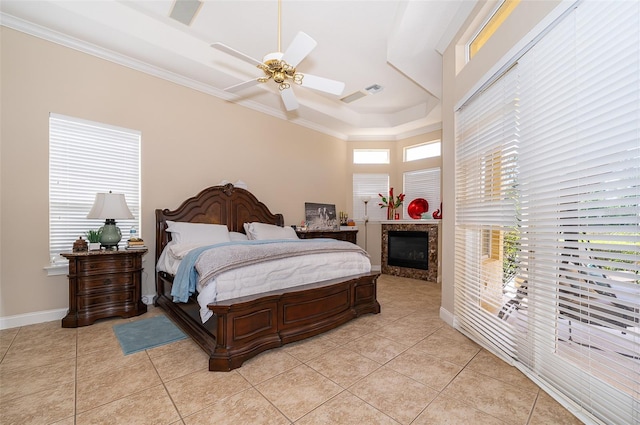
x,y
353,96
374,88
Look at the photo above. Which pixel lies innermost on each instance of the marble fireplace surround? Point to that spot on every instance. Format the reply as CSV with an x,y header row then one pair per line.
x,y
430,226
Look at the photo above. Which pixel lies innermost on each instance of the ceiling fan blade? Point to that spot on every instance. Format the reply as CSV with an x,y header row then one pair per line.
x,y
289,99
235,53
237,87
299,48
322,84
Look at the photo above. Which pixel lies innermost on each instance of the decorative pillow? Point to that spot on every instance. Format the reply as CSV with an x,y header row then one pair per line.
x,y
262,231
197,233
237,236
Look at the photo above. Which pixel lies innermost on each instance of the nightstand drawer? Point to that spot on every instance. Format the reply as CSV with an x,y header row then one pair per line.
x,y
118,298
101,263
104,282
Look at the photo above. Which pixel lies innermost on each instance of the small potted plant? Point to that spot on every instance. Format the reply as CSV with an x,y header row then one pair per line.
x,y
93,236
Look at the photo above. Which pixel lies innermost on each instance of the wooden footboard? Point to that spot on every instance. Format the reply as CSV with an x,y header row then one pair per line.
x,y
244,327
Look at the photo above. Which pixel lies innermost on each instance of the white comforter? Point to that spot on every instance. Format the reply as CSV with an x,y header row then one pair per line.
x,y
267,275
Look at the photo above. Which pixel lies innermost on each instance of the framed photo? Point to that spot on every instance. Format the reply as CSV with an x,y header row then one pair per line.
x,y
321,216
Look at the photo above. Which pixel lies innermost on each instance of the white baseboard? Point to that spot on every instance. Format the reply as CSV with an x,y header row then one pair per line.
x,y
18,320
448,317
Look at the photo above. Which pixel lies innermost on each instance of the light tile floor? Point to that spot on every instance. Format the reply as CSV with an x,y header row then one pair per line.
x,y
402,366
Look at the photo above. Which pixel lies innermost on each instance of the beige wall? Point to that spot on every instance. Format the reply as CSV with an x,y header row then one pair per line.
x,y
190,141
458,80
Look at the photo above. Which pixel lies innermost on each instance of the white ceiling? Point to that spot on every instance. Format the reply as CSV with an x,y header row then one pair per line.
x,y
396,44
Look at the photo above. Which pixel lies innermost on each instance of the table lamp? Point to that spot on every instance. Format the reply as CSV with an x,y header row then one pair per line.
x,y
110,207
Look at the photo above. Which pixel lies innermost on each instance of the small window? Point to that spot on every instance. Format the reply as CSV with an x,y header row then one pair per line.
x,y
371,156
490,26
425,150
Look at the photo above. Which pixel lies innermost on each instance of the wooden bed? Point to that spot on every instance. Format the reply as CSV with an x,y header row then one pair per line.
x,y
244,327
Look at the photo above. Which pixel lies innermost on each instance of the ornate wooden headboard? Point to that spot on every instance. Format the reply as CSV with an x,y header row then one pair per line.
x,y
226,204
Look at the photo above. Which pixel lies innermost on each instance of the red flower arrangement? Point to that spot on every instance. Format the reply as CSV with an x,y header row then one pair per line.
x,y
391,203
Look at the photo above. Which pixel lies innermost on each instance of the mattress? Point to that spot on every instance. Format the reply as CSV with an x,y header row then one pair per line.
x,y
267,275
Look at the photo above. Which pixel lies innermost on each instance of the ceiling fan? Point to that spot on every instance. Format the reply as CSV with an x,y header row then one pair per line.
x,y
281,68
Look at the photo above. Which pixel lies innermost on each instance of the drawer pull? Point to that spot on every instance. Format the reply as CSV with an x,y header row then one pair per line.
x,y
107,281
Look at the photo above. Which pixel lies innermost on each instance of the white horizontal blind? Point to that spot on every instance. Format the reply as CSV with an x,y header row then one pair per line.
x,y
422,184
368,186
575,302
86,158
580,188
486,153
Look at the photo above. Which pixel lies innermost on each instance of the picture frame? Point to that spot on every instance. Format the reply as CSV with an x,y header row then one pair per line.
x,y
320,216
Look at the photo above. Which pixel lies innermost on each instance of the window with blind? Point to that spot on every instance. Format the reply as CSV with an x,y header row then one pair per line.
x,y
86,158
547,267
367,187
422,184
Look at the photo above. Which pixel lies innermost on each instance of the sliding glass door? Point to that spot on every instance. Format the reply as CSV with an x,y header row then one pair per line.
x,y
548,216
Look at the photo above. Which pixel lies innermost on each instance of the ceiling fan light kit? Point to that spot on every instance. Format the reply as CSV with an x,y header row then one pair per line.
x,y
281,68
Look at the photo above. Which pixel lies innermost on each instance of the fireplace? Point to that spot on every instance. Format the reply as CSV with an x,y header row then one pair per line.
x,y
408,249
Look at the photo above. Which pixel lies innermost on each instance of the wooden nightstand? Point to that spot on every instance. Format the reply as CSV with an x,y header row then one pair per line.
x,y
103,284
341,235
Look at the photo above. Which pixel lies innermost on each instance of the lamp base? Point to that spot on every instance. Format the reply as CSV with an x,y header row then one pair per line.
x,y
111,235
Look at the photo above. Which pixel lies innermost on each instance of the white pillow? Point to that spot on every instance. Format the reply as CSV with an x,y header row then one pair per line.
x,y
237,236
262,231
197,233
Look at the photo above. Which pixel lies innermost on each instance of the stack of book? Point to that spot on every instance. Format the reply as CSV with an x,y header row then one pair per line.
x,y
136,243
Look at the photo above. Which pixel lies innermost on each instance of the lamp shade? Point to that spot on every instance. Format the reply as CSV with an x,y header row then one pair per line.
x,y
110,206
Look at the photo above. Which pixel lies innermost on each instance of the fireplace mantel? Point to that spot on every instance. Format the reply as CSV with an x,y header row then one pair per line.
x,y
418,222
430,226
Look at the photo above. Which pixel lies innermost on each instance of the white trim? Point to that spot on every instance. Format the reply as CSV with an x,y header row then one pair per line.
x,y
467,46
57,269
36,317
447,317
390,137
18,320
519,49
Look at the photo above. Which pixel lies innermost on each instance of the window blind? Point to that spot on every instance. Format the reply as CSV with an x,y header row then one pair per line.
x,y
86,158
422,184
571,312
486,151
368,186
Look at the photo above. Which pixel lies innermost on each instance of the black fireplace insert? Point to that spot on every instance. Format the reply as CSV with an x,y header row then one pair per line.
x,y
408,249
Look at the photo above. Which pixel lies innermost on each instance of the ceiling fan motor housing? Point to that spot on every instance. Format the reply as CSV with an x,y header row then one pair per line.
x,y
274,67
